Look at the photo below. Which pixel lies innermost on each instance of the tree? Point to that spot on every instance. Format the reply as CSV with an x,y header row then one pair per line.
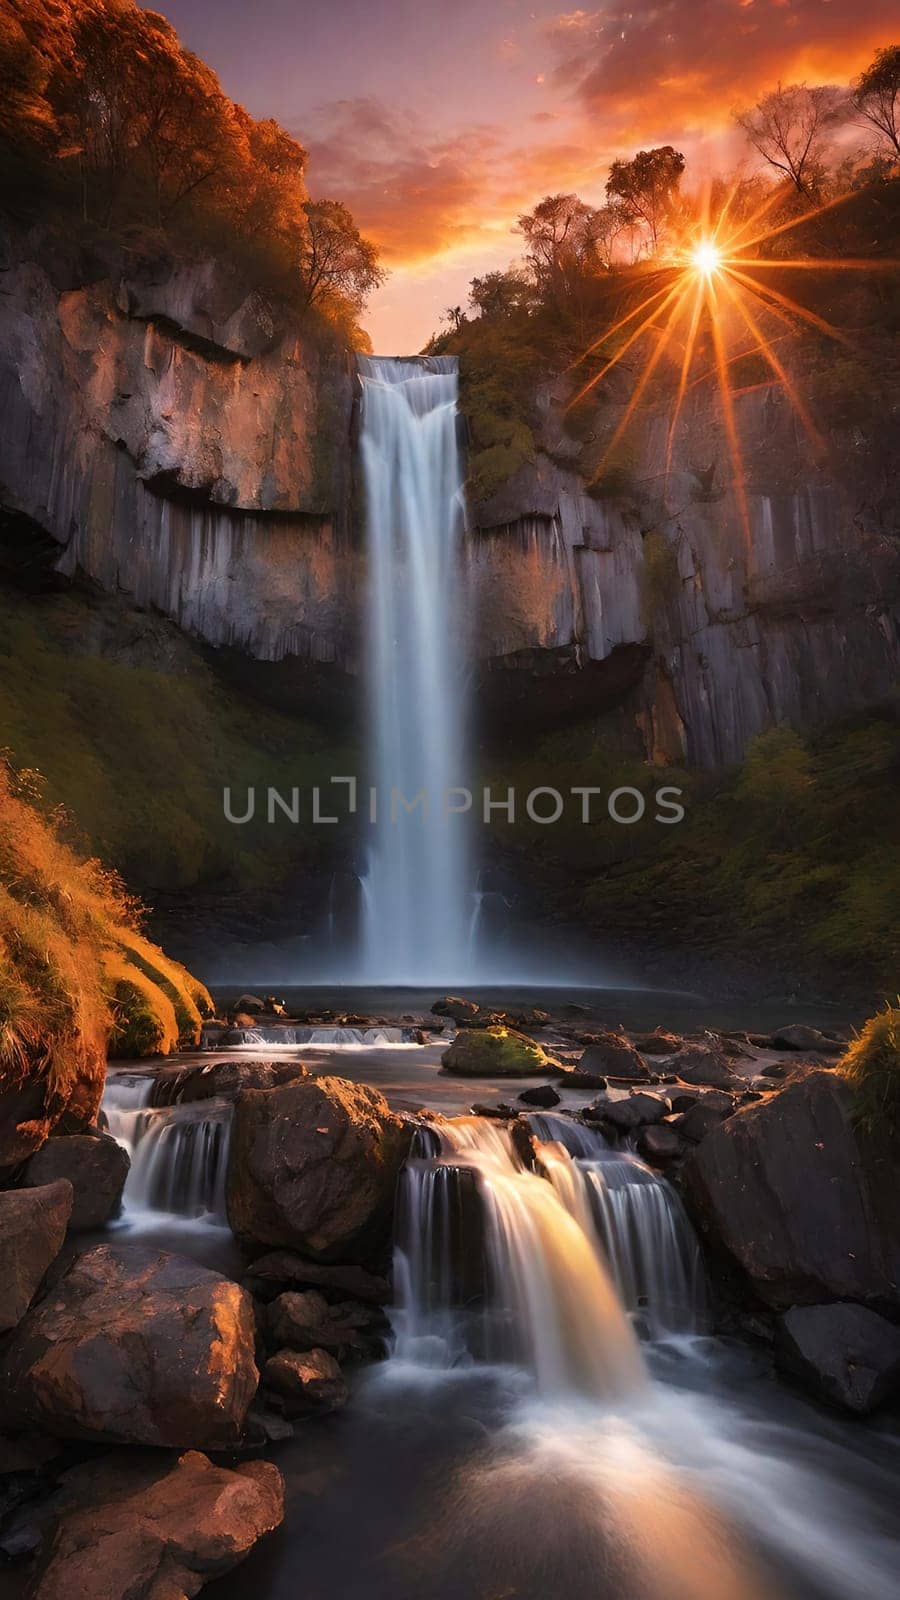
x,y
335,260
561,235
789,127
498,294
647,187
876,95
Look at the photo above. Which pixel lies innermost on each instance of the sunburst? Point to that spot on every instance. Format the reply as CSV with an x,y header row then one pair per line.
x,y
718,278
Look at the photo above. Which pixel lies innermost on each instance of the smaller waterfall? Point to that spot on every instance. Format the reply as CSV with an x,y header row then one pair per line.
x,y
179,1153
552,1268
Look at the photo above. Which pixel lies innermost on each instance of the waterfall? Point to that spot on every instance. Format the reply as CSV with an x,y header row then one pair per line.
x,y
179,1153
540,1245
417,890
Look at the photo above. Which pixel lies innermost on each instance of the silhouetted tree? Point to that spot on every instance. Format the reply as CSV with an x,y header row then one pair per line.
x,y
334,257
876,95
789,127
498,294
647,187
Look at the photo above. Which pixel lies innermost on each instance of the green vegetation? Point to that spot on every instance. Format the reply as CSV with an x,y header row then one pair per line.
x,y
75,973
140,755
872,1065
795,855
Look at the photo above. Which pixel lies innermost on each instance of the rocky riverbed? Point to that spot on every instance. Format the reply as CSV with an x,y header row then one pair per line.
x,y
144,1392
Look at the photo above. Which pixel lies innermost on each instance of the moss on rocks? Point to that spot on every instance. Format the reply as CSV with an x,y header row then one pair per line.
x,y
496,1052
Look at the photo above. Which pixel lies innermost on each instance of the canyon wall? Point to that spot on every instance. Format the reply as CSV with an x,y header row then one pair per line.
x,y
188,442
185,440
786,609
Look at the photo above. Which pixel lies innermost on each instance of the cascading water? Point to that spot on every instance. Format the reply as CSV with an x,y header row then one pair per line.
x,y
545,1267
417,901
179,1153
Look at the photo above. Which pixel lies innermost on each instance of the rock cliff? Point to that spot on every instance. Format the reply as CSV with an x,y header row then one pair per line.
x,y
184,438
790,615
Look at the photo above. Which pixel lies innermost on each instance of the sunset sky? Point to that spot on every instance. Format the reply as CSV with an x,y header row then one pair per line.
x,y
439,122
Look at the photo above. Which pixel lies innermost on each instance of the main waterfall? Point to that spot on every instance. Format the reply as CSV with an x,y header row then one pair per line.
x,y
418,884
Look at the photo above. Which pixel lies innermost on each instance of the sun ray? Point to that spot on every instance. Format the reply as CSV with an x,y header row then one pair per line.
x,y
731,432
649,368
777,366
765,292
687,362
622,323
676,290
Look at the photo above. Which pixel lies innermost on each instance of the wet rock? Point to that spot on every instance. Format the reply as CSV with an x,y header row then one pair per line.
x,y
524,1017
701,1118
223,1080
306,1321
658,1043
799,1200
313,1166
338,1280
96,1165
136,1345
249,1003
797,1036
543,1095
305,1382
704,1065
134,1527
638,1110
683,1099
585,1080
32,1228
615,1057
458,1010
496,1052
846,1354
659,1144
499,1112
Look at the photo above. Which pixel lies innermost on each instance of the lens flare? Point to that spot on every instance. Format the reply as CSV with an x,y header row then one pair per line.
x,y
712,293
706,257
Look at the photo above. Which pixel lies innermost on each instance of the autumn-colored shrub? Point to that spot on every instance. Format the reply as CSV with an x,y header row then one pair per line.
x,y
872,1066
75,972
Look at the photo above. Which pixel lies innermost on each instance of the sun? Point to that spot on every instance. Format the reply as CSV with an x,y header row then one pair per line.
x,y
706,257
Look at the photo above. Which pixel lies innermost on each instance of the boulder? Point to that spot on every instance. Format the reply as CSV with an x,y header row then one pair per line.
x,y
797,1036
458,1010
659,1144
543,1095
223,1080
134,1345
305,1321
700,1119
586,1080
496,1052
846,1354
658,1043
798,1200
95,1164
634,1112
249,1003
32,1228
615,1057
134,1527
305,1382
704,1065
280,1269
313,1166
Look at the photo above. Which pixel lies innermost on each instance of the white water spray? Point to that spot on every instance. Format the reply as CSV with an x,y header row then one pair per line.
x,y
417,901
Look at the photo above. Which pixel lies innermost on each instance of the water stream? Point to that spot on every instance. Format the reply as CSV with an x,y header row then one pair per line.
x,y
417,890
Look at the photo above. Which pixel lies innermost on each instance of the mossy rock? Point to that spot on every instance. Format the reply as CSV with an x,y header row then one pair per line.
x,y
496,1052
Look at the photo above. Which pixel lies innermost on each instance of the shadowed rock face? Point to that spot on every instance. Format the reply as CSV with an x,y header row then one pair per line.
x,y
135,1345
848,1355
96,1165
313,1166
32,1229
787,1190
134,1526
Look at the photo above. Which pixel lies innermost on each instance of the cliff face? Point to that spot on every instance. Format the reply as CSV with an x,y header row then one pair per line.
x,y
185,441
792,615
